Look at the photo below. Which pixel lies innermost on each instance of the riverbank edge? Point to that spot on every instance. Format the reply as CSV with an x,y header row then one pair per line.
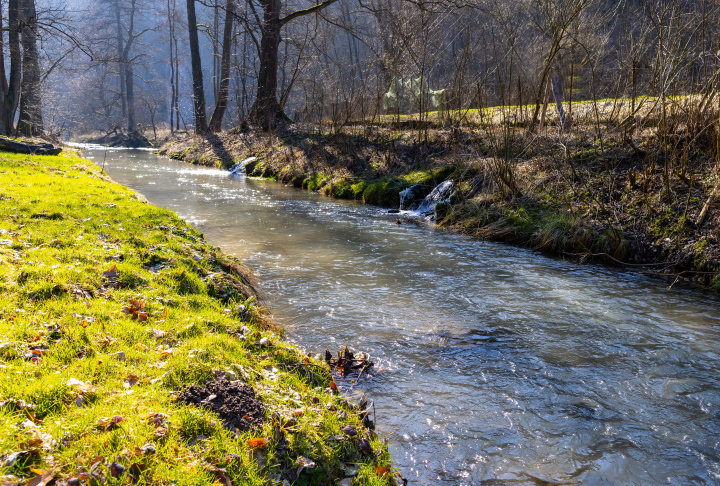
x,y
664,248
109,308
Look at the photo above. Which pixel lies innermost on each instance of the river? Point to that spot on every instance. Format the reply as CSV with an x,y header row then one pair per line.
x,y
501,365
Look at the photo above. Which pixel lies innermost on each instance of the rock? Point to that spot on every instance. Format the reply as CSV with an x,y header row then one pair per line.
x,y
265,342
231,375
350,430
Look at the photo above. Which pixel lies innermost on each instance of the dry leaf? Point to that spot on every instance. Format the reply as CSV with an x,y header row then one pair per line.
x,y
81,386
41,479
131,381
141,347
333,386
109,424
383,471
257,443
364,446
111,273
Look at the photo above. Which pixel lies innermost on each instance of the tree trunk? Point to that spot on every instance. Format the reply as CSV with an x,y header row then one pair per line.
x,y
266,109
121,60
544,106
222,96
130,91
11,88
171,27
31,120
198,90
558,102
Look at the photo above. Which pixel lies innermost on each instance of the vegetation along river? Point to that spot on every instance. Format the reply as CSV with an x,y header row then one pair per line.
x,y
500,365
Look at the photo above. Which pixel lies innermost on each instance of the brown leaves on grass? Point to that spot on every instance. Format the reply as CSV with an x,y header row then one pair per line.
x,y
135,309
364,446
111,276
81,386
131,381
42,478
383,471
109,424
257,443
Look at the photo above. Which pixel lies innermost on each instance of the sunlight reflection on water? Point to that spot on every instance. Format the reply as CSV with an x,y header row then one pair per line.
x,y
500,364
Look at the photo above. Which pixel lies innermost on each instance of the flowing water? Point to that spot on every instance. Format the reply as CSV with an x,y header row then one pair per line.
x,y
502,366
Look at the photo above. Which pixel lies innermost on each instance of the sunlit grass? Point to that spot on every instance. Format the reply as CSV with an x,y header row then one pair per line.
x,y
75,249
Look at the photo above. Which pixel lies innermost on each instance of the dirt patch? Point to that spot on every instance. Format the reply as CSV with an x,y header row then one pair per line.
x,y
234,402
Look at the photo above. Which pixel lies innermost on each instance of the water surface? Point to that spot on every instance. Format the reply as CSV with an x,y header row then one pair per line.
x,y
502,366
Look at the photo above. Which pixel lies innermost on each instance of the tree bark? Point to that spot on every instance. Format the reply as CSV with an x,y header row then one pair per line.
x,y
121,61
171,27
558,102
222,95
201,126
31,120
130,92
11,88
267,111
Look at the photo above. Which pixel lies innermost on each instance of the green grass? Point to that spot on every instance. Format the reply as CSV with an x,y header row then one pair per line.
x,y
75,249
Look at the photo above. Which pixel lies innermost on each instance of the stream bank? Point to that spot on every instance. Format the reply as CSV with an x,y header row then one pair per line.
x,y
110,308
494,363
569,194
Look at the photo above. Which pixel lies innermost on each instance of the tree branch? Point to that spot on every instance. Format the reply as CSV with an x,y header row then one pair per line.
x,y
307,11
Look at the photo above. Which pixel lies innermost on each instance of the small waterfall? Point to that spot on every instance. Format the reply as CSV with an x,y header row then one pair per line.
x,y
439,194
239,168
408,194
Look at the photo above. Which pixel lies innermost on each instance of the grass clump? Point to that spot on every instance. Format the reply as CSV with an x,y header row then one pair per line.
x,y
109,308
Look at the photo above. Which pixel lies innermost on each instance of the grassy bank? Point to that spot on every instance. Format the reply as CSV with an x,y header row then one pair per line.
x,y
634,191
109,309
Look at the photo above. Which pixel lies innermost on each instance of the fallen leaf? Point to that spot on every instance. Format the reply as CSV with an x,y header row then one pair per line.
x,y
333,386
81,386
383,471
142,317
131,381
147,449
303,463
157,419
111,273
109,424
117,469
141,347
41,479
364,446
257,443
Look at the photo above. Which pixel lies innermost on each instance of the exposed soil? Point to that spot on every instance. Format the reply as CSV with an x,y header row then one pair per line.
x,y
234,402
